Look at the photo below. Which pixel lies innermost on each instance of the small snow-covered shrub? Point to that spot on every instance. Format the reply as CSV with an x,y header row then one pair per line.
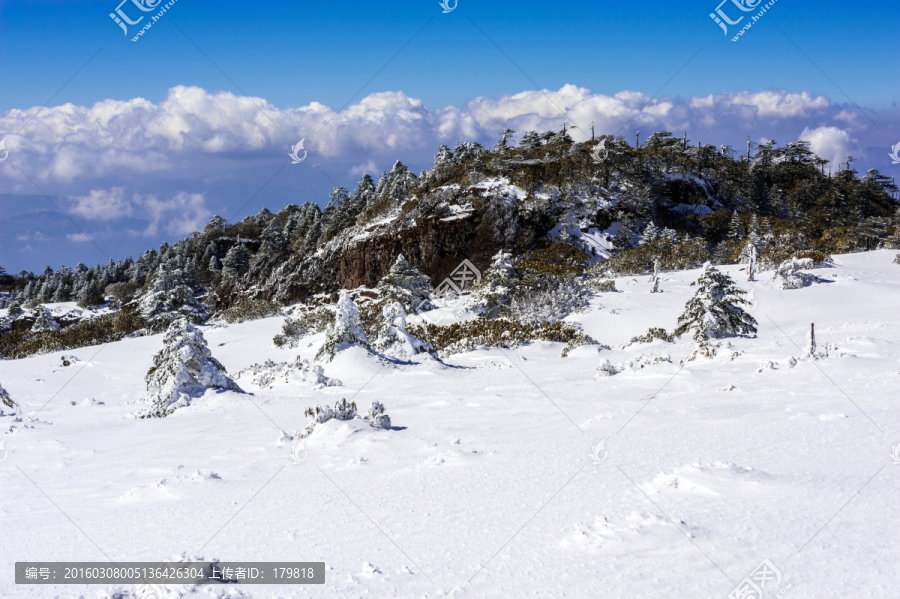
x,y
93,331
653,333
897,259
600,284
790,275
68,360
343,411
183,368
6,400
684,255
461,337
308,322
250,310
345,331
560,259
550,301
270,373
376,415
606,369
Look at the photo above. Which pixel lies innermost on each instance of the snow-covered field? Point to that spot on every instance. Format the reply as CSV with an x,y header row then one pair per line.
x,y
492,481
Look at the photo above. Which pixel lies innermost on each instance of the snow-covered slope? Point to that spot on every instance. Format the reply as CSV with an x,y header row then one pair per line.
x,y
493,481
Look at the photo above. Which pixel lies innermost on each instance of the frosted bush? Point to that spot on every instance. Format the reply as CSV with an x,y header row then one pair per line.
x,y
270,373
600,285
606,369
790,276
307,323
377,417
343,411
551,301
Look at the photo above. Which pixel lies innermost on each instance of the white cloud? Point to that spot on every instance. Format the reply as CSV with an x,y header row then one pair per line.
x,y
831,143
366,167
23,237
116,138
179,214
102,204
77,237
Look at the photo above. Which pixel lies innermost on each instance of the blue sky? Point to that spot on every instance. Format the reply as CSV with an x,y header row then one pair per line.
x,y
294,55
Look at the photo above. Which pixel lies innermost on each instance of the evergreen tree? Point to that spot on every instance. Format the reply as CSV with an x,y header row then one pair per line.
x,y
184,368
405,285
90,295
236,262
215,224
735,228
530,141
62,293
273,239
169,299
43,321
210,253
345,331
651,233
715,310
393,339
492,296
624,238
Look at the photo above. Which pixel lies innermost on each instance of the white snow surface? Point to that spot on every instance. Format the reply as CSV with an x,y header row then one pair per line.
x,y
492,481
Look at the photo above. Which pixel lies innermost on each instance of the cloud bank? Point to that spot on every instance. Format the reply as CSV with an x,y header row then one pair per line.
x,y
114,138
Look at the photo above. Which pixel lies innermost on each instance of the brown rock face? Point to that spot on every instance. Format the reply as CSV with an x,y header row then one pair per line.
x,y
435,247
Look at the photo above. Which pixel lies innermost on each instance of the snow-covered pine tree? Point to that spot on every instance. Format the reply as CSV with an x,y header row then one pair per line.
x,y
735,228
15,308
90,295
715,310
7,401
62,293
236,261
182,369
651,233
491,297
43,321
722,254
215,224
531,140
273,239
405,284
624,238
393,340
168,299
346,330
